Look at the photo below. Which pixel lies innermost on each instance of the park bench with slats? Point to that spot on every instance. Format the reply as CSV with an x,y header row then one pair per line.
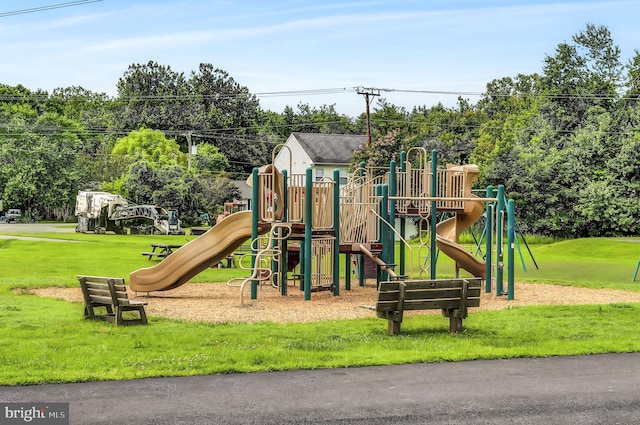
x,y
452,296
105,298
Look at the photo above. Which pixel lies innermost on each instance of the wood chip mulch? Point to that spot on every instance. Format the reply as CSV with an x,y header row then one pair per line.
x,y
220,303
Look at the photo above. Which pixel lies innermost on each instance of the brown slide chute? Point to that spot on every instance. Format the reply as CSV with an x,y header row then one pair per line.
x,y
448,230
210,248
196,256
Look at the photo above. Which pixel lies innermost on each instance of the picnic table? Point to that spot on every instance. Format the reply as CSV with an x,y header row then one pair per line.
x,y
161,250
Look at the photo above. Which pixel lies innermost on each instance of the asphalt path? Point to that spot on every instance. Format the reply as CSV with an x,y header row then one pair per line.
x,y
597,389
10,228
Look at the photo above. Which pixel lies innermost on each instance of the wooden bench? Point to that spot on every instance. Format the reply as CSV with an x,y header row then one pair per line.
x,y
453,296
109,293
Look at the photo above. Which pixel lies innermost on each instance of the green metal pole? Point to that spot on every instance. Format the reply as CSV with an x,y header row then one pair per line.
x,y
302,263
347,271
403,220
510,246
284,243
308,223
393,181
360,265
255,212
488,228
500,242
360,257
433,210
385,231
276,244
336,232
380,225
285,195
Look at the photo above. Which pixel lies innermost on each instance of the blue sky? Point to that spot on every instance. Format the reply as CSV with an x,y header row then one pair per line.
x,y
280,46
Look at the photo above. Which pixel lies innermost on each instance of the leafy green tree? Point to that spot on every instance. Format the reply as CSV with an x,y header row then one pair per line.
x,y
38,160
508,106
167,185
385,118
209,159
96,115
552,140
230,116
149,145
580,75
323,119
217,191
452,131
381,152
153,96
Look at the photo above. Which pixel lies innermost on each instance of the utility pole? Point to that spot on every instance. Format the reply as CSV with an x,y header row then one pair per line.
x,y
188,134
368,94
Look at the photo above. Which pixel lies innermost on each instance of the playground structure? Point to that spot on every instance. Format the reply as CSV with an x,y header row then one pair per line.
x,y
102,212
299,227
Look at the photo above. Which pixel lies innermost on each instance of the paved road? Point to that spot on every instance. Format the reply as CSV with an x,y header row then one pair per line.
x,y
37,227
599,389
8,231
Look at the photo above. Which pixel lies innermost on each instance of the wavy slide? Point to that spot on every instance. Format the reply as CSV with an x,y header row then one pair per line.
x,y
206,250
196,256
448,230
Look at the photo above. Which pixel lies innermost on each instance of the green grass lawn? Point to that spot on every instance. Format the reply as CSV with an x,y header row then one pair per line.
x,y
46,340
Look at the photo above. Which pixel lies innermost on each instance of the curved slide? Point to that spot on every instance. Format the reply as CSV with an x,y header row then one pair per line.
x,y
448,230
196,256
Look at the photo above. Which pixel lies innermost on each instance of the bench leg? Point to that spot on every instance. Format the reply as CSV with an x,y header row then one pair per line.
x,y
455,320
143,316
120,320
91,314
88,313
393,327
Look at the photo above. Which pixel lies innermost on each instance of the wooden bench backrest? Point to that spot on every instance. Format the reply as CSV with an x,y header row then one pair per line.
x,y
119,291
428,294
96,289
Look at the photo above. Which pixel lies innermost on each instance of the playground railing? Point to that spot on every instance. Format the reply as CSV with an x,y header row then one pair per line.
x,y
359,208
451,184
412,185
322,204
296,192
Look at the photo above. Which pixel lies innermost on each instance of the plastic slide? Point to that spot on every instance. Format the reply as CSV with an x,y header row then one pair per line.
x,y
196,256
448,230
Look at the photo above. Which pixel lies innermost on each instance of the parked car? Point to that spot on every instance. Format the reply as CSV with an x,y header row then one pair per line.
x,y
13,215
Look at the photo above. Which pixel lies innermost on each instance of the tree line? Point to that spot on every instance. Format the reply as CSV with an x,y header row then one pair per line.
x,y
564,141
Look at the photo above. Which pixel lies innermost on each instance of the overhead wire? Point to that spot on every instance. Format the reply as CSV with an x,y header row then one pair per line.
x,y
48,7
231,133
195,96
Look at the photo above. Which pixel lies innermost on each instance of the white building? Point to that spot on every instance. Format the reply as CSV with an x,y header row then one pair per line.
x,y
322,152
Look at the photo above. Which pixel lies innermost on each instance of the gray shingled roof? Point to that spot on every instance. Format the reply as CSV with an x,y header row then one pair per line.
x,y
245,189
330,148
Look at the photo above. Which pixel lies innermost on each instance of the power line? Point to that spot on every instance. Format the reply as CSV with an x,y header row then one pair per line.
x,y
305,92
227,134
313,92
49,7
